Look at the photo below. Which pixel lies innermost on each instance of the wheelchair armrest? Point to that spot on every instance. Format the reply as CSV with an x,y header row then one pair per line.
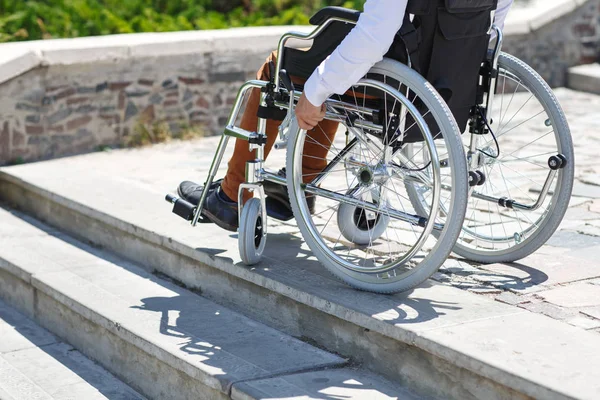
x,y
330,12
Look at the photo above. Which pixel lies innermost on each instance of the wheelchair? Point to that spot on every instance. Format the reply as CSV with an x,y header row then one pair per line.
x,y
403,188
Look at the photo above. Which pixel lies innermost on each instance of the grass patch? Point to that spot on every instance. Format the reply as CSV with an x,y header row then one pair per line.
x,y
161,132
15,161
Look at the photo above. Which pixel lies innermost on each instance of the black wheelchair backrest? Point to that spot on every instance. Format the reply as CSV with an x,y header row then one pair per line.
x,y
334,12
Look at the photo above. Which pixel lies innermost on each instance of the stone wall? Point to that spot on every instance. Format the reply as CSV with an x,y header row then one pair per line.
x,y
59,110
64,97
80,94
563,37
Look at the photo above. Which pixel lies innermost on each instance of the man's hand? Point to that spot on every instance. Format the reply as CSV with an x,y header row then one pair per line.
x,y
308,115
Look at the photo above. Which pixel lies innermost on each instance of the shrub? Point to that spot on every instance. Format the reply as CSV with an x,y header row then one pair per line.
x,y
45,19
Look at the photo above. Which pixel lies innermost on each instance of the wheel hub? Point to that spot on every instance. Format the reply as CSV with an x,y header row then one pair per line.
x,y
487,156
365,176
369,175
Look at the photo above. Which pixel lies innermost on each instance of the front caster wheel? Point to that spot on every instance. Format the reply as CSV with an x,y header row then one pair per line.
x,y
251,236
360,226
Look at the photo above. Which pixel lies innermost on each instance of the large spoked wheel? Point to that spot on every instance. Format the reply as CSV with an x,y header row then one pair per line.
x,y
364,229
530,128
252,238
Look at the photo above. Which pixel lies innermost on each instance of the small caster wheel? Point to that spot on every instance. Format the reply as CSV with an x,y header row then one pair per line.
x,y
473,178
481,177
251,236
360,226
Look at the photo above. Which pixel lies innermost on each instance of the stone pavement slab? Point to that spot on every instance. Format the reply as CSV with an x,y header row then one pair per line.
x,y
346,383
584,322
595,206
34,364
585,78
580,294
592,312
584,190
589,230
581,213
553,311
538,271
590,179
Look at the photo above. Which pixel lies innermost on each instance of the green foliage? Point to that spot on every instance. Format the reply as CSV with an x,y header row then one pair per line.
x,y
45,19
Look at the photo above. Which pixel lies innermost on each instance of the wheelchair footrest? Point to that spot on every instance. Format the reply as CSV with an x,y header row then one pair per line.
x,y
181,207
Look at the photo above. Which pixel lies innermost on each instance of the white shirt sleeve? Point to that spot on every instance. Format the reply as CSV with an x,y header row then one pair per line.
x,y
501,12
364,46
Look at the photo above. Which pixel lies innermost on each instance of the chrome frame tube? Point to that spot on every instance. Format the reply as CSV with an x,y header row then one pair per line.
x,y
261,129
214,167
271,177
400,215
239,100
229,131
520,206
474,144
497,51
339,117
339,157
254,173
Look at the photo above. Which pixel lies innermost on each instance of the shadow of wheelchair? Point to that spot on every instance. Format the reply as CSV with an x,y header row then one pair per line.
x,y
400,308
515,276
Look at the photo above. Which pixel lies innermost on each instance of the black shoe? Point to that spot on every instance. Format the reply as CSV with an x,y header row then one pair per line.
x,y
278,199
218,208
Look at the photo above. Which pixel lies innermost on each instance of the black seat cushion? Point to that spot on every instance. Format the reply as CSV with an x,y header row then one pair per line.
x,y
329,12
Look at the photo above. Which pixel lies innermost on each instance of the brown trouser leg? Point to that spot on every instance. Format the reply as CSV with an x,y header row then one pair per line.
x,y
316,145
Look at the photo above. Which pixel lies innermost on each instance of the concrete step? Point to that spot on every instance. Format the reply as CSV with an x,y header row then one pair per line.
x,y
34,364
437,340
164,340
585,78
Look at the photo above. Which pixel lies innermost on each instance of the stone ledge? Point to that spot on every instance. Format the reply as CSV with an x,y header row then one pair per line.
x,y
345,383
17,61
522,21
112,48
585,78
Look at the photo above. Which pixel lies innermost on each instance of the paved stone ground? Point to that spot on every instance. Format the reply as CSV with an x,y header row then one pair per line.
x,y
561,280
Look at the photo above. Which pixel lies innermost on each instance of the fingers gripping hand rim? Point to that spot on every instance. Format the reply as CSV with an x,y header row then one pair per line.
x,y
308,115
